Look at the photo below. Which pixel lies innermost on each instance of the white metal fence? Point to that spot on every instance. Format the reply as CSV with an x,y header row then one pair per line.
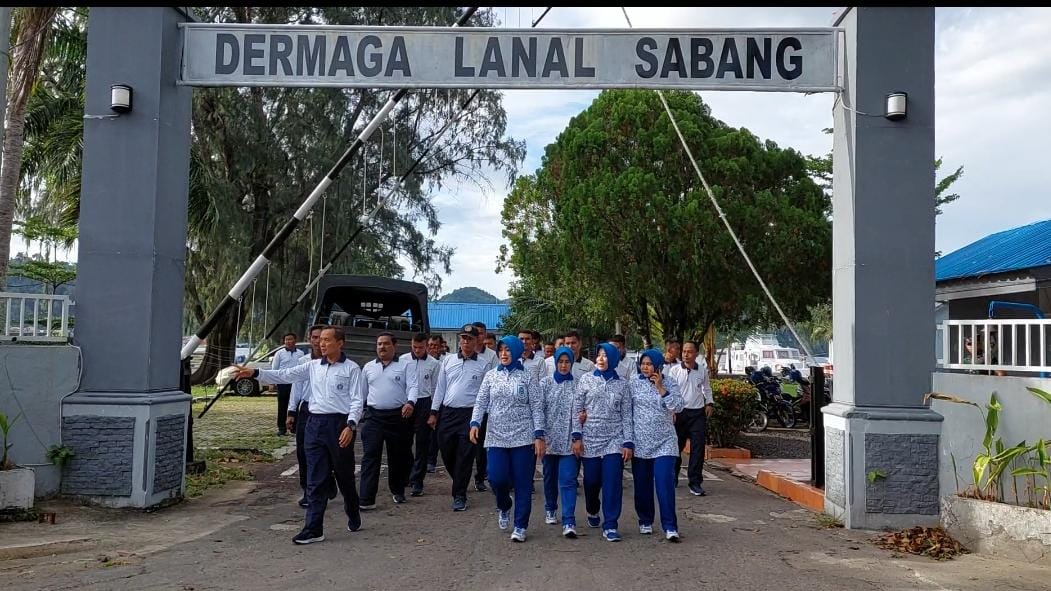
x,y
34,317
1008,345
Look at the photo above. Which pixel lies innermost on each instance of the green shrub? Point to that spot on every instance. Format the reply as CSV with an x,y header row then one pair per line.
x,y
735,403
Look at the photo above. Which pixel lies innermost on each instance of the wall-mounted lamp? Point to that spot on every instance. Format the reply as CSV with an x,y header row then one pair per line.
x,y
897,106
120,98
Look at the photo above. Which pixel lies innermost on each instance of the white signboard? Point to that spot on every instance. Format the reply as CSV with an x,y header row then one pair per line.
x,y
787,60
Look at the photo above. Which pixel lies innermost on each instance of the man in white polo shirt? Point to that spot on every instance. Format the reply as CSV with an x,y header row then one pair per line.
x,y
581,365
425,368
530,361
691,423
389,390
285,357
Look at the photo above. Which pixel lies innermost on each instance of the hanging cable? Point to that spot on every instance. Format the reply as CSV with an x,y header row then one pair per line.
x,y
282,235
722,215
388,192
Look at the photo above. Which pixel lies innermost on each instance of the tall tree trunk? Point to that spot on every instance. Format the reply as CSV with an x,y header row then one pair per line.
x,y
28,50
219,351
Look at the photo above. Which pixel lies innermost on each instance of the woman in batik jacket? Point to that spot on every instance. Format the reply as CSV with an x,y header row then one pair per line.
x,y
561,465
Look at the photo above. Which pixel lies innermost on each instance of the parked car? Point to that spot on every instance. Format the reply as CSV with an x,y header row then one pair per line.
x,y
249,386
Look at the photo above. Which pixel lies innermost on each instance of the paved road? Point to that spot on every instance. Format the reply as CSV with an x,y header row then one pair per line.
x,y
738,537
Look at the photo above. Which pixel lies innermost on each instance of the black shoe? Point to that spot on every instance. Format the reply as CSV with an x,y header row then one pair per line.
x,y
282,433
333,492
417,490
398,499
480,486
460,504
305,537
697,491
431,468
362,505
352,527
303,502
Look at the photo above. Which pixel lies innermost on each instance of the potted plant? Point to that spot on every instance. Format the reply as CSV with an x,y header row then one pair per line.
x,y
16,484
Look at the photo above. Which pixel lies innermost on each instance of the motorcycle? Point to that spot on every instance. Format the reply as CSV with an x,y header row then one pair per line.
x,y
802,403
772,401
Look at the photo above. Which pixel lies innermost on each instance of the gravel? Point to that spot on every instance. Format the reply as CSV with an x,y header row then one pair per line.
x,y
777,443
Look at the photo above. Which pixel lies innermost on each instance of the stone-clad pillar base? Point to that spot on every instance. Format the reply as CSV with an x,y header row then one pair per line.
x,y
881,466
129,451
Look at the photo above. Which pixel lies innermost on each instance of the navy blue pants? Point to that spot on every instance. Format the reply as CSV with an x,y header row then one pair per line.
x,y
299,427
691,425
385,427
560,480
513,468
605,475
650,473
422,434
324,457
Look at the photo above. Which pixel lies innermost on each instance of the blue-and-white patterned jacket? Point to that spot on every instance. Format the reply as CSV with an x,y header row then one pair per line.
x,y
515,406
609,425
654,422
558,414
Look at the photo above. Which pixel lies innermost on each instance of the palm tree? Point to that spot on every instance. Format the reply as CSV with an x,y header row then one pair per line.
x,y
32,28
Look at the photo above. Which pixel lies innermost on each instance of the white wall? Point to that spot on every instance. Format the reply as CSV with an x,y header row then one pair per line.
x,y
1024,417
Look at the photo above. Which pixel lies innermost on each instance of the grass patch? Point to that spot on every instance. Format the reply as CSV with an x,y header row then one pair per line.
x,y
827,521
222,467
236,433
19,514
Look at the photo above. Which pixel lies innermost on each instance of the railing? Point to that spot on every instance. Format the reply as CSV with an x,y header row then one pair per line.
x,y
34,317
1009,345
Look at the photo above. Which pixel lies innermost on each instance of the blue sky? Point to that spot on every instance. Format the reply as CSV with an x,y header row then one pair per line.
x,y
993,91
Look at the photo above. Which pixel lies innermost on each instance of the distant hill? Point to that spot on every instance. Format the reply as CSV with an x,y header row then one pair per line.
x,y
470,295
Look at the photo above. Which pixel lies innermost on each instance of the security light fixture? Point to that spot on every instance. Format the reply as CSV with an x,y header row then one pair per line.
x,y
897,105
120,98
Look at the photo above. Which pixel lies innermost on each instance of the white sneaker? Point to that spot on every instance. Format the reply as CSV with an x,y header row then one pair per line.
x,y
671,535
518,535
645,529
569,531
549,518
503,519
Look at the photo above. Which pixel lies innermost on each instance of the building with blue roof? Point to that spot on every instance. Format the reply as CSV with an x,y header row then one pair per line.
x,y
1013,265
447,318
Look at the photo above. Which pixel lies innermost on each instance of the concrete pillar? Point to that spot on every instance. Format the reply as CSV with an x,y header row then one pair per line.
x,y
881,442
127,424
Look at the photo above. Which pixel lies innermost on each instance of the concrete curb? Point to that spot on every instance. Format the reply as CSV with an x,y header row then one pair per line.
x,y
35,549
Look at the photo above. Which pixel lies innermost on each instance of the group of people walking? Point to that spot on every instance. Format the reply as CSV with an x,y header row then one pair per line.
x,y
512,405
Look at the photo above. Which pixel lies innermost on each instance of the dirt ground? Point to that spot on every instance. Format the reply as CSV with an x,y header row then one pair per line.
x,y
239,537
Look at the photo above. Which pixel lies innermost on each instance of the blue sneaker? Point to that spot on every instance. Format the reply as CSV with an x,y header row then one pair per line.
x,y
611,535
594,521
697,490
645,529
518,535
503,519
569,530
459,504
672,535
550,518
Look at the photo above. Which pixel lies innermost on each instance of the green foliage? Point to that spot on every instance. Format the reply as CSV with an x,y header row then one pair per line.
x,y
470,295
617,225
735,403
873,475
995,459
5,428
60,455
53,275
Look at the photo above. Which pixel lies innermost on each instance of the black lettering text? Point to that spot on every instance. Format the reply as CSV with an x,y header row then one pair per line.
x,y
756,57
729,60
459,70
673,59
341,58
374,66
492,59
579,70
523,58
701,50
556,59
399,58
222,41
280,50
796,60
249,68
310,61
642,49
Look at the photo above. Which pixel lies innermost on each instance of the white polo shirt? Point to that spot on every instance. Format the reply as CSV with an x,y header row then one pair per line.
x,y
458,381
426,371
285,359
693,383
579,367
334,387
388,387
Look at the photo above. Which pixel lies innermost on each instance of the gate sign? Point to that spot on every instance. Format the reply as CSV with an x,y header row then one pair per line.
x,y
792,60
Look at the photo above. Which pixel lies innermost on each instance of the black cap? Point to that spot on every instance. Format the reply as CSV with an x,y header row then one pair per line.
x,y
469,330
